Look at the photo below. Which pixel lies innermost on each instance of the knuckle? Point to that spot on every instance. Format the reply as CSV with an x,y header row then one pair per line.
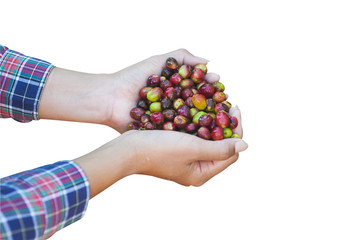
x,y
183,51
226,152
187,183
197,182
154,58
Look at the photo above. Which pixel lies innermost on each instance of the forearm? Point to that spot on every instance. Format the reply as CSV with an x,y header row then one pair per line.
x,y
43,200
107,164
76,96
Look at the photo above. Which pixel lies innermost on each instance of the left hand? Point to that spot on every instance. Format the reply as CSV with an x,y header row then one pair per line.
x,y
128,82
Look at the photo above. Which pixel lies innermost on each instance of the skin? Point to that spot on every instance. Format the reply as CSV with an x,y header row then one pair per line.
x,y
175,156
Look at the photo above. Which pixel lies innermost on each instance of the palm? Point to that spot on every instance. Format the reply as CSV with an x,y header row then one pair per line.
x,y
130,81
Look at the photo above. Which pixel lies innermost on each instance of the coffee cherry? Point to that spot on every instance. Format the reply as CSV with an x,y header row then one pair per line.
x,y
149,126
172,63
169,114
191,128
157,118
133,126
145,118
142,104
221,107
185,71
155,94
183,110
144,91
180,121
186,93
169,126
199,85
197,116
219,97
202,67
165,84
155,107
177,103
199,101
210,105
235,135
176,78
186,83
153,80
204,133
189,102
136,113
167,73
205,120
193,111
233,122
197,75
229,105
213,124
170,93
219,87
195,91
217,133
222,119
178,90
207,90
227,132
166,103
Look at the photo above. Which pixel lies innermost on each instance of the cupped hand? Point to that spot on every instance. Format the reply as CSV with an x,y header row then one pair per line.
x,y
184,158
171,155
127,83
179,157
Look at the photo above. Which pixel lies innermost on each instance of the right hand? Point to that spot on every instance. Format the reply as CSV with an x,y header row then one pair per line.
x,y
179,157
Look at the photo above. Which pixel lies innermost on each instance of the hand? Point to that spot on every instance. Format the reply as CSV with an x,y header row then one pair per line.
x,y
176,156
129,81
104,98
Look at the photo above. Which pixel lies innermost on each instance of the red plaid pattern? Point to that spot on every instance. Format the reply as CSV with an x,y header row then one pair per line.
x,y
22,80
35,204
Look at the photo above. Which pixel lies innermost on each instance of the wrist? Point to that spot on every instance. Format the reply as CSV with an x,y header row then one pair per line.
x,y
107,164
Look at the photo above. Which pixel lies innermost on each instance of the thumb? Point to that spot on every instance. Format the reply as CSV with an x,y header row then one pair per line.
x,y
218,150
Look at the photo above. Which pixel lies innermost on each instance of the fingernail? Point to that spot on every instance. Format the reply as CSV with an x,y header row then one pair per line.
x,y
241,146
237,108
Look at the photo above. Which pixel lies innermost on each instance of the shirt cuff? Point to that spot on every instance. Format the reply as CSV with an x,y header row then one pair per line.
x,y
37,203
22,80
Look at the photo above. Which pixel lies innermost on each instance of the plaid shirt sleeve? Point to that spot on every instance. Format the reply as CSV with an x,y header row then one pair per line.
x,y
35,204
22,80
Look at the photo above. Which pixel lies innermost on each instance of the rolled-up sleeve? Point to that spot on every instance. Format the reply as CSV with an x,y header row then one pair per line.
x,y
22,79
37,203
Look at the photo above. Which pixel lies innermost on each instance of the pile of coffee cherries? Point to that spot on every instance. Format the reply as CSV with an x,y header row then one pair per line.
x,y
181,100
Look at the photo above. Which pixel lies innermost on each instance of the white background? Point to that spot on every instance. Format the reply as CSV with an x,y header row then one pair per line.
x,y
294,69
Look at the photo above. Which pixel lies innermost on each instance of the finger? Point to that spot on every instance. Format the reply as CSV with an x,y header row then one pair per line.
x,y
210,169
212,77
217,150
129,132
182,56
237,113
